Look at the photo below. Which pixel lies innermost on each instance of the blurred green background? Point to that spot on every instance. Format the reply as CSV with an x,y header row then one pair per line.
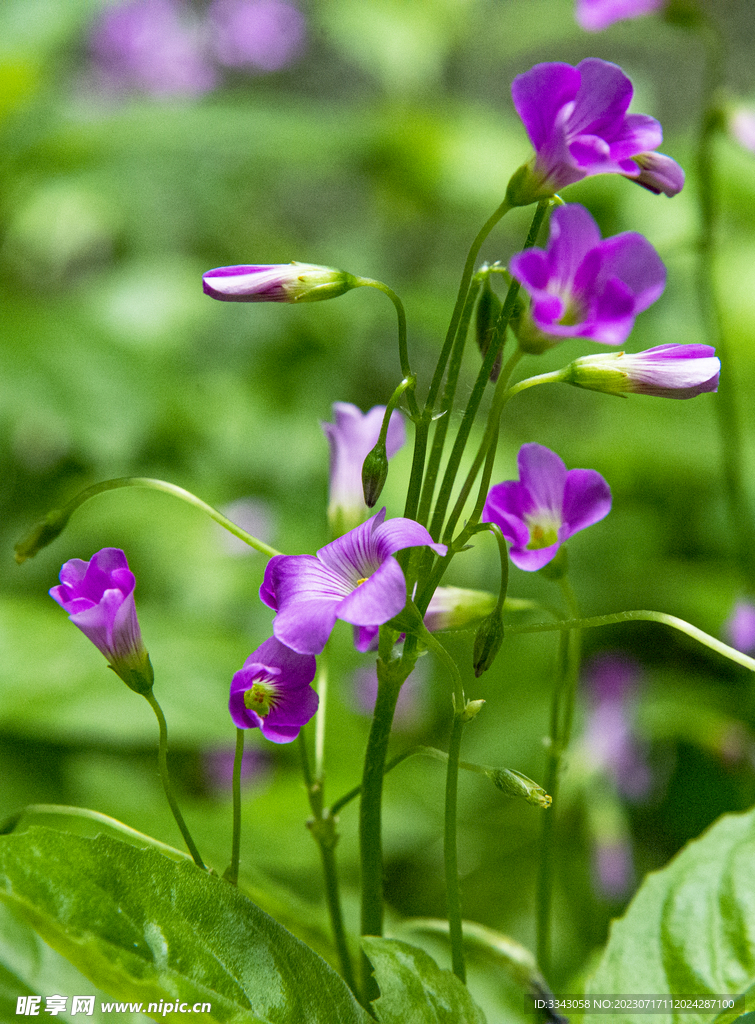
x,y
381,147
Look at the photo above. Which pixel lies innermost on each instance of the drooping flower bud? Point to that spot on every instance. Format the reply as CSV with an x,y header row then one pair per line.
x,y
99,598
489,308
487,642
44,533
374,474
277,282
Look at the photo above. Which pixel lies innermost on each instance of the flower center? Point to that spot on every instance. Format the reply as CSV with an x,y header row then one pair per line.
x,y
262,698
543,532
361,580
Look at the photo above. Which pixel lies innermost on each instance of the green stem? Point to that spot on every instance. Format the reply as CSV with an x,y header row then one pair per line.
x,y
443,419
162,758
640,616
450,856
55,522
453,894
480,385
562,714
391,675
323,828
403,350
232,874
729,423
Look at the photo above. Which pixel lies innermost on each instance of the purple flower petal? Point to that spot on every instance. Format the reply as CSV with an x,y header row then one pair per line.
x,y
659,173
586,500
595,15
353,578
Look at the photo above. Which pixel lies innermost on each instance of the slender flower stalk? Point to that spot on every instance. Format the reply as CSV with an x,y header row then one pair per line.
x,y
322,825
232,874
165,778
562,712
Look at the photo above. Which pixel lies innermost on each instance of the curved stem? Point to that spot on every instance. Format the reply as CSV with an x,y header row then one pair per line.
x,y
403,350
232,874
162,758
55,522
640,616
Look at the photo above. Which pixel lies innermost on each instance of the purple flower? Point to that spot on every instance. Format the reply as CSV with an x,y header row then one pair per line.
x,y
585,287
742,127
576,118
548,504
262,35
353,435
151,46
668,371
272,692
613,866
740,626
276,282
595,15
99,598
354,578
609,740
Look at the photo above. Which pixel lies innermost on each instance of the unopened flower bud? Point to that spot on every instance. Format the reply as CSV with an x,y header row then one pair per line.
x,y
99,598
513,783
472,708
374,474
487,642
489,308
41,535
667,371
278,282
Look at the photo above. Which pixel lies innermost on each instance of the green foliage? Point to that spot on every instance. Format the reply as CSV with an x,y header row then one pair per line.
x,y
414,990
689,929
144,927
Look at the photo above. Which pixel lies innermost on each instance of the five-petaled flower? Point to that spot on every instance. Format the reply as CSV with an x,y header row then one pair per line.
x,y
277,282
595,15
548,504
667,371
585,287
99,598
353,435
577,120
354,578
272,692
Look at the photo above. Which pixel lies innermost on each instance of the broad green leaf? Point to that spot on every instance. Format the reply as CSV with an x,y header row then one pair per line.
x,y
146,928
414,990
28,966
690,930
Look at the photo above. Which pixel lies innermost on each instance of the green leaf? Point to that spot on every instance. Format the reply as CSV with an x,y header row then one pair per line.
x,y
690,930
414,990
144,927
29,967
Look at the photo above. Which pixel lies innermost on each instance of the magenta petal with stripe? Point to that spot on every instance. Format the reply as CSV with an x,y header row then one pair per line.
x,y
354,578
